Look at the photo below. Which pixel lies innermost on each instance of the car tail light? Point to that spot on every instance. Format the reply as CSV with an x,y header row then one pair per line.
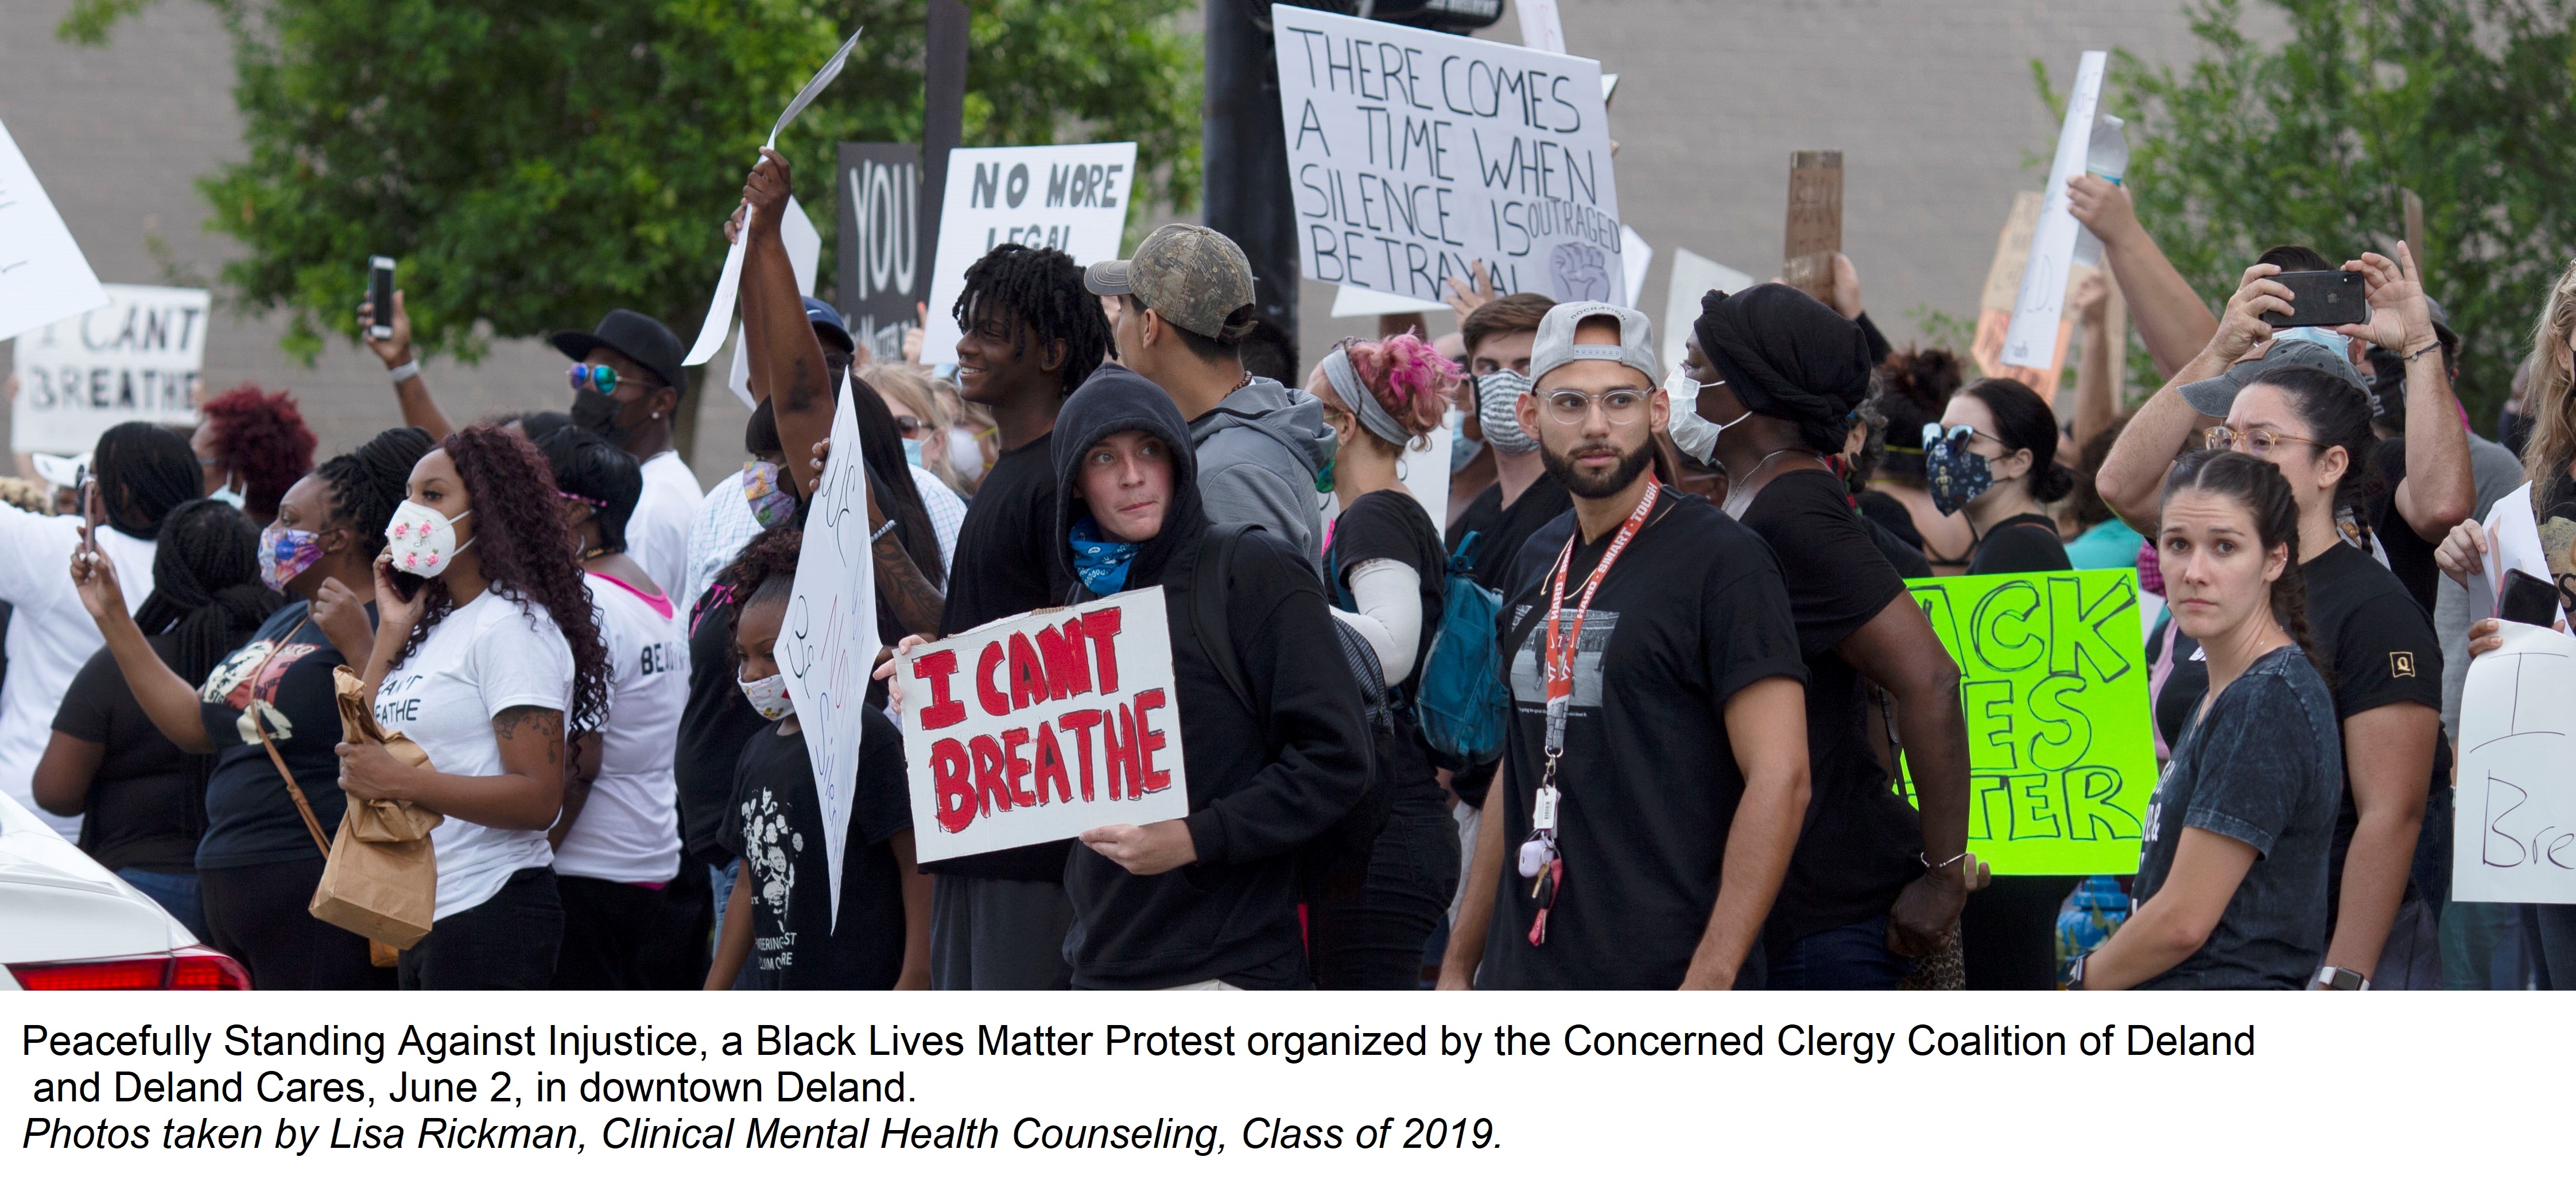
x,y
191,969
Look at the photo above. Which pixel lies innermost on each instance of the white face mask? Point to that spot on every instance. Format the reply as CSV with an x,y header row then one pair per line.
x,y
1696,436
768,696
965,455
422,541
226,495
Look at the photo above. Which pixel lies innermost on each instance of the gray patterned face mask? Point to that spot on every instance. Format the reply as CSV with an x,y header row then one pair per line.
x,y
1498,395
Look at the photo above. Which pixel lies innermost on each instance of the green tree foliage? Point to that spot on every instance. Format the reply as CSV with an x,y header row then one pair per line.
x,y
534,165
2470,103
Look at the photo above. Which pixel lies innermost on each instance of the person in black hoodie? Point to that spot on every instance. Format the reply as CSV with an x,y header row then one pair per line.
x,y
1208,901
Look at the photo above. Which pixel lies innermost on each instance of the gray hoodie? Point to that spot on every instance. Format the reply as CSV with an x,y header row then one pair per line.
x,y
1259,452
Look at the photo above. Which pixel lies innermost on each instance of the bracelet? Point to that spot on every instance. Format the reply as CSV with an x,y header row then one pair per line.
x,y
2410,357
882,530
403,372
1926,858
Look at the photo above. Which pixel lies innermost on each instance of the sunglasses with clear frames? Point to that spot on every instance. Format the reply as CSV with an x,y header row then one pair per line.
x,y
1619,407
2258,441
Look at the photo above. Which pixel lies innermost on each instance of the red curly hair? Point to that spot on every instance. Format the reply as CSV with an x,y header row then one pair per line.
x,y
262,437
527,557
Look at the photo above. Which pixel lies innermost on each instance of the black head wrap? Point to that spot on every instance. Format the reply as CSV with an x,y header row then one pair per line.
x,y
1788,356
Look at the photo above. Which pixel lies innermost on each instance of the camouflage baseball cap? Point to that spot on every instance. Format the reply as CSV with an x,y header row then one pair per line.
x,y
1190,274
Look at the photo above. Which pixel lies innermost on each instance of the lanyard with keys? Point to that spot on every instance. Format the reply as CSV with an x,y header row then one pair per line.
x,y
1540,859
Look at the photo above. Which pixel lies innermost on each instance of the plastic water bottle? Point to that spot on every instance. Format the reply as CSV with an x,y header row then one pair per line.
x,y
2085,922
2107,156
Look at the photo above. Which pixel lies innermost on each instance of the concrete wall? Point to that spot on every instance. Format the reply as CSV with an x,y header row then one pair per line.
x,y
1930,101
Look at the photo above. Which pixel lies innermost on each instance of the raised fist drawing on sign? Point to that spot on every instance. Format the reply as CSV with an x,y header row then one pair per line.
x,y
1579,272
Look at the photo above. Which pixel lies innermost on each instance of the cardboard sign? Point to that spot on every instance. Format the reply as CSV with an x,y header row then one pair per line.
x,y
1413,155
1693,277
2514,822
2034,339
1815,223
133,360
828,643
2061,746
1072,197
880,248
43,277
1043,726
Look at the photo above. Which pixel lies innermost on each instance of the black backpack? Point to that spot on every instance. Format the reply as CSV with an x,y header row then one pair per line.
x,y
1333,865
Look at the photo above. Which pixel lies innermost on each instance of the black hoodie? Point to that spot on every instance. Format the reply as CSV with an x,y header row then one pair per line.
x,y
1262,782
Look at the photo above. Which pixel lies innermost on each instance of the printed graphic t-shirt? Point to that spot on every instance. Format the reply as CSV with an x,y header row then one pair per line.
x,y
777,828
628,829
1692,613
486,656
280,681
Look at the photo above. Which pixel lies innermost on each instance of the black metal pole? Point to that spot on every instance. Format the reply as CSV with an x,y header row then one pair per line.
x,y
943,123
1244,156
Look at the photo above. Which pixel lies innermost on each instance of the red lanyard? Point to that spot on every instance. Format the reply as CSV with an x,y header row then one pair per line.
x,y
1560,657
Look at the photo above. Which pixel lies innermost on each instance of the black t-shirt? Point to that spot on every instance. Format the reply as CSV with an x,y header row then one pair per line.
x,y
2024,544
1006,565
1907,559
2263,767
286,668
2410,557
1889,514
1863,842
2382,648
1501,534
1393,526
776,826
142,811
715,722
1692,613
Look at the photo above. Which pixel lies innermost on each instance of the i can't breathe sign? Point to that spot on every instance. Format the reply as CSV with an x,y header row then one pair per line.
x,y
1043,726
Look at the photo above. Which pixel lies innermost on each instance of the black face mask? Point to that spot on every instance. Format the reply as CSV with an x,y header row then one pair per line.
x,y
597,412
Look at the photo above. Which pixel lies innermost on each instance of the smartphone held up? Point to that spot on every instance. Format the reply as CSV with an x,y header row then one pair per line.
x,y
380,294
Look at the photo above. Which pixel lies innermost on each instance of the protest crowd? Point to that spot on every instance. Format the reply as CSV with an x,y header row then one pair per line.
x,y
1631,716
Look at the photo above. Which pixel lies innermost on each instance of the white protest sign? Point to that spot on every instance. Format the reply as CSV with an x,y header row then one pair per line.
x,y
828,643
1693,276
2513,543
804,254
1043,726
1541,28
711,334
1413,155
133,360
1070,197
2514,824
1355,302
1425,473
43,276
1639,256
2031,342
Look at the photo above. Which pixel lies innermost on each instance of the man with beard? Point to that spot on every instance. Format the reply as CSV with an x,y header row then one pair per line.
x,y
1656,764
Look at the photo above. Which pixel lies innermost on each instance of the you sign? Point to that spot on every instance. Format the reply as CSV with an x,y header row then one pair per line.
x,y
1043,726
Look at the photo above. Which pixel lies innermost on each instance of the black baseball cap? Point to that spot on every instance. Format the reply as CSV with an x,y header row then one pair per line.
x,y
640,337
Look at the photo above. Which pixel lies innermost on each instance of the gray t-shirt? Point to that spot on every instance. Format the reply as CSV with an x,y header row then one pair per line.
x,y
2265,766
2498,473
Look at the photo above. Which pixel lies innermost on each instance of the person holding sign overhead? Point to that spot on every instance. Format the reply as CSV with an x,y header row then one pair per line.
x,y
1208,901
1655,767
2232,881
1875,885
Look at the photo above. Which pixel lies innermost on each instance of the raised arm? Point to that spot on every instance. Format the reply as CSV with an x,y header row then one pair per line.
x,y
2097,381
2440,489
2171,318
786,360
1899,651
412,393
2132,479
170,702
1766,723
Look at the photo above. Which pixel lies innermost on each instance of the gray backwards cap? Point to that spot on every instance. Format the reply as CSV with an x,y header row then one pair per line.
x,y
2217,395
1555,343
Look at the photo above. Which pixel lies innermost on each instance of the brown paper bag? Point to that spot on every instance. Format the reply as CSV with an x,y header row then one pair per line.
x,y
381,879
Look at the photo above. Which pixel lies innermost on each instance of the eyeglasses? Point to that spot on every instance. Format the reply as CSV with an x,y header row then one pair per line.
x,y
1619,407
908,426
2258,441
599,377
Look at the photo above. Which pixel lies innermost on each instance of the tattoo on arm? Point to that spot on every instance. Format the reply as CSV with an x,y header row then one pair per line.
x,y
916,604
507,723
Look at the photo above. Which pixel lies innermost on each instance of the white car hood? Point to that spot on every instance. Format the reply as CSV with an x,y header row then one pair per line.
x,y
56,903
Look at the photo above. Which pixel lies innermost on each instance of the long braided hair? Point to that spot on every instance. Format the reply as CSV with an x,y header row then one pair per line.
x,y
206,594
143,471
527,557
367,483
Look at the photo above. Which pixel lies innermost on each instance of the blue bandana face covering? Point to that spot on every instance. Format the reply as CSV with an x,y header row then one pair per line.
x,y
1100,563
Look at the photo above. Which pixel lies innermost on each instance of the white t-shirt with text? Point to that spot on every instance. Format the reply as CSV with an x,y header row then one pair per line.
x,y
485,657
628,831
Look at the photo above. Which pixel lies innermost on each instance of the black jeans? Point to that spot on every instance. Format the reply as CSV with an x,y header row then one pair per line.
x,y
1374,941
508,943
2008,933
620,937
257,914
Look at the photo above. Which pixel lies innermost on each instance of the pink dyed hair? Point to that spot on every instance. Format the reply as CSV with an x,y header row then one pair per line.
x,y
1409,378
